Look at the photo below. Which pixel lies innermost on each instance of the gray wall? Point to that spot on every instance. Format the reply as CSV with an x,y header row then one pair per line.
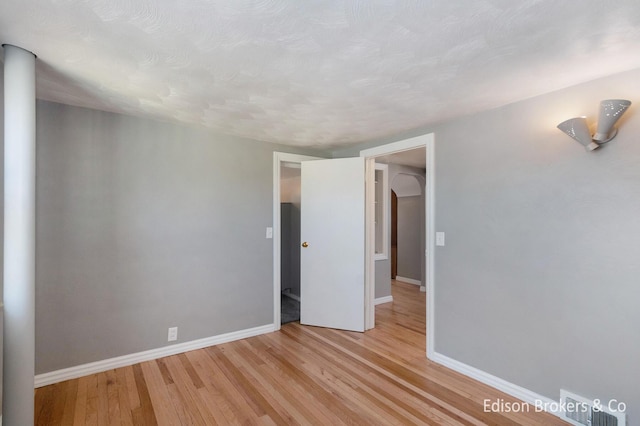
x,y
539,280
290,248
411,224
383,279
410,237
142,226
290,229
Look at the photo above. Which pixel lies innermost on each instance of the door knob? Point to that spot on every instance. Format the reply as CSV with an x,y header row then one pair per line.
x,y
305,244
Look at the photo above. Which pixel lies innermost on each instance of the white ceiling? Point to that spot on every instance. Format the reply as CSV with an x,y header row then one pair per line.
x,y
317,73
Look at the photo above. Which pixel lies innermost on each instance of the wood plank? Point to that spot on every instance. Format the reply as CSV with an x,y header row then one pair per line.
x,y
276,410
132,391
252,396
80,412
377,387
166,375
145,414
126,418
91,417
103,400
189,394
188,367
279,387
69,409
221,392
44,403
113,400
159,395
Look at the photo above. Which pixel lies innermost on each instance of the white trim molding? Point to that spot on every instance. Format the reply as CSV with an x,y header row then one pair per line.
x,y
403,145
126,360
502,385
427,141
381,300
369,245
430,243
384,201
408,280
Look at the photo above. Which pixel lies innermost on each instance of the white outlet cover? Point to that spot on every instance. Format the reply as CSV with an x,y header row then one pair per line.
x,y
440,238
269,232
173,334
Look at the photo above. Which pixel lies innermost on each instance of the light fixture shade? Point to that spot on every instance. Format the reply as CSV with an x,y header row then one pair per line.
x,y
610,112
578,129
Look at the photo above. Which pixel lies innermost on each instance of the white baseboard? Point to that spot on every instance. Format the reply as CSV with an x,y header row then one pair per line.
x,y
385,299
408,280
125,360
292,296
514,390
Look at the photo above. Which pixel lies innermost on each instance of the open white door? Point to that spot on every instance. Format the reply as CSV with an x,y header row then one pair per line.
x,y
332,260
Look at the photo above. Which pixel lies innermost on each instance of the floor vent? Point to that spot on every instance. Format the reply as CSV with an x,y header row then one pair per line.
x,y
580,411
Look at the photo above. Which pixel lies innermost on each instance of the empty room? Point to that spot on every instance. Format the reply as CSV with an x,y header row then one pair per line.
x,y
336,212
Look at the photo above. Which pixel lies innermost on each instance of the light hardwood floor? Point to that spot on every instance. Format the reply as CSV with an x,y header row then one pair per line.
x,y
299,375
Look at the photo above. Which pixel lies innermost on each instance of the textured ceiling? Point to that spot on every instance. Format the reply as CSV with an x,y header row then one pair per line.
x,y
316,73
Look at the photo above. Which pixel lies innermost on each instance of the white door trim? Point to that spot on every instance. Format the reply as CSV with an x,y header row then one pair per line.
x,y
369,248
399,146
278,159
427,141
386,212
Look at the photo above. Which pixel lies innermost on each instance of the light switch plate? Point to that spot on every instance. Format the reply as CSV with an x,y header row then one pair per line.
x,y
269,232
440,238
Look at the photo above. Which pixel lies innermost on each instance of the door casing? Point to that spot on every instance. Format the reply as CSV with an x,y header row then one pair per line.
x,y
427,141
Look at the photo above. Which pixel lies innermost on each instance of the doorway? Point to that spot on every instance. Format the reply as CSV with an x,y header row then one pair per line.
x,y
332,260
393,152
290,206
407,177
285,166
426,141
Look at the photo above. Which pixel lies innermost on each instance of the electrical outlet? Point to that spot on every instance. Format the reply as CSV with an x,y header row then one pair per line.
x,y
173,334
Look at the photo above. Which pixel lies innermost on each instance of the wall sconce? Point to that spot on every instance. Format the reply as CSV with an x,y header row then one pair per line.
x,y
610,112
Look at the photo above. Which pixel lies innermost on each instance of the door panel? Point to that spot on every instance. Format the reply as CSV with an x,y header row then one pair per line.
x,y
332,277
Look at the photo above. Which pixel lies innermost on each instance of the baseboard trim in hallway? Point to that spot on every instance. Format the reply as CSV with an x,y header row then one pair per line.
x,y
381,300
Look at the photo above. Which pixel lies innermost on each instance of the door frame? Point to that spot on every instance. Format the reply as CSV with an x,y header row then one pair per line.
x,y
427,141
278,159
